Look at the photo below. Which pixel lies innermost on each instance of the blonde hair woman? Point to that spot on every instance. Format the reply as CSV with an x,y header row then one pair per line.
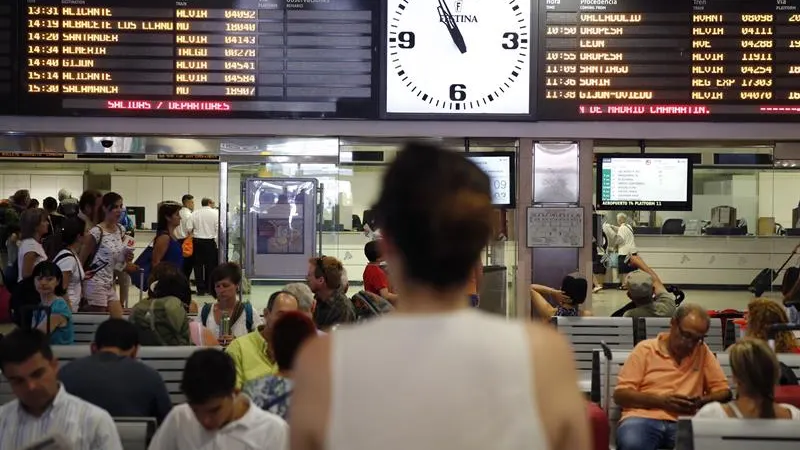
x,y
755,372
761,314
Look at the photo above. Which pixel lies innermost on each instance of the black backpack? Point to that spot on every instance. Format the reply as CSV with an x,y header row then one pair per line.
x,y
788,378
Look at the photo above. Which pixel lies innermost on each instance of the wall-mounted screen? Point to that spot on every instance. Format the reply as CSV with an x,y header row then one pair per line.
x,y
198,58
678,59
644,182
500,168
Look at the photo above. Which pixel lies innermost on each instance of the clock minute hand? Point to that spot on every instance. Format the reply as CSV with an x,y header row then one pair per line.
x,y
447,19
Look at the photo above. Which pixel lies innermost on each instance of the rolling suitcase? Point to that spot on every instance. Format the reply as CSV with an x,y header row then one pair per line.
x,y
763,281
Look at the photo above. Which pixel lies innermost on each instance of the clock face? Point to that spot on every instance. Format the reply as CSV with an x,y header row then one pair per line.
x,y
458,56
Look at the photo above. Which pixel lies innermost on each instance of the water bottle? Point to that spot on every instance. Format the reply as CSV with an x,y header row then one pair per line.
x,y
225,325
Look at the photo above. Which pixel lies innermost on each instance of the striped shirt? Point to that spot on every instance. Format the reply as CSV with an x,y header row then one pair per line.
x,y
82,424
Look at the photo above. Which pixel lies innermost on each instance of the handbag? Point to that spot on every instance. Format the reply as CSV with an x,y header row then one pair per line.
x,y
187,247
611,260
145,263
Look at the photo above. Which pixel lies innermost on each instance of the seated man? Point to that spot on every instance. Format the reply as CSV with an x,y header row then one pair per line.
x,y
325,276
43,406
217,415
113,379
671,375
375,279
251,353
648,296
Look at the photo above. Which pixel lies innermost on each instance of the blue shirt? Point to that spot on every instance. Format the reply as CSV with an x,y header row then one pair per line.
x,y
174,253
271,391
64,335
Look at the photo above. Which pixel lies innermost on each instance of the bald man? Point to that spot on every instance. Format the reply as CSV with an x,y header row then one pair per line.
x,y
251,353
665,377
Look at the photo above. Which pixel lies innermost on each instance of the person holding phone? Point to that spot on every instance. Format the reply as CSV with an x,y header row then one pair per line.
x,y
672,375
104,250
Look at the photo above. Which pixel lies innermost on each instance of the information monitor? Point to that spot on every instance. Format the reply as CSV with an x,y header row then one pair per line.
x,y
7,57
644,182
674,59
203,58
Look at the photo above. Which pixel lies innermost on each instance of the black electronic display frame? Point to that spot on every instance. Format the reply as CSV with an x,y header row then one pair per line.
x,y
8,57
289,60
504,191
606,182
678,60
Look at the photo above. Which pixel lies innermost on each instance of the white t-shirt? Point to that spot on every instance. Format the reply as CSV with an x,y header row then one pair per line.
x,y
68,261
257,429
29,245
110,255
627,244
714,410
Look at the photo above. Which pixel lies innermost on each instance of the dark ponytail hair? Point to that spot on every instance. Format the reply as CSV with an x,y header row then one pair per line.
x,y
756,369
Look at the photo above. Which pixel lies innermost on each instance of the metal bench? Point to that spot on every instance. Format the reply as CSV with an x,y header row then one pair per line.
x,y
650,327
609,366
737,434
135,432
790,359
586,333
85,325
168,361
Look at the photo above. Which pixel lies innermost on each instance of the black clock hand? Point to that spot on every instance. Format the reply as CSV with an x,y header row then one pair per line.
x,y
447,19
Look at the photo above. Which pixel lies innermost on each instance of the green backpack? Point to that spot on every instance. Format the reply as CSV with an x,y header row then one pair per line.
x,y
161,322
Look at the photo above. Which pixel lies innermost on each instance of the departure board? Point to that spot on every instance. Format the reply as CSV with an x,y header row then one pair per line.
x,y
7,37
199,58
681,59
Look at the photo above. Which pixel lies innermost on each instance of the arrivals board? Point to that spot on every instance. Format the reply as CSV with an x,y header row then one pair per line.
x,y
7,47
683,59
199,58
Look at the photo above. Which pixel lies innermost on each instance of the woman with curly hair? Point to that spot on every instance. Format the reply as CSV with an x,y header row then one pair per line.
x,y
761,314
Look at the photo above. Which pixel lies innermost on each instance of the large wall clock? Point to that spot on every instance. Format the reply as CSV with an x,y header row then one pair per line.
x,y
458,56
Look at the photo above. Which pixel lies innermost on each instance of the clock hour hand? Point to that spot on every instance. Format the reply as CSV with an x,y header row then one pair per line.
x,y
446,17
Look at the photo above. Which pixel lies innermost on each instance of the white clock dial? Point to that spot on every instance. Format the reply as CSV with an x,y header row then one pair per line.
x,y
458,56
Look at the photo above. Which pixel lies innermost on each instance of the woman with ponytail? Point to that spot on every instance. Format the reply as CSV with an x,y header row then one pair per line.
x,y
755,372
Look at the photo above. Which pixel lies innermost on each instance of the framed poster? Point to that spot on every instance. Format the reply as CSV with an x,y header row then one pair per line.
x,y
555,227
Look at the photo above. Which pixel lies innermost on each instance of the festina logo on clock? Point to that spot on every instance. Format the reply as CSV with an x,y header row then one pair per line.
x,y
458,56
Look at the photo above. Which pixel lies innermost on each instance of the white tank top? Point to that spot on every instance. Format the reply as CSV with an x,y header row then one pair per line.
x,y
447,381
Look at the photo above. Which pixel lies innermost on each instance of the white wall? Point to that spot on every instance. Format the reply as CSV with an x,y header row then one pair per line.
x,y
149,189
778,194
41,184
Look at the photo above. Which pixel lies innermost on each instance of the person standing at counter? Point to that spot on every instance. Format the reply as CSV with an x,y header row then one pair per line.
x,y
205,223
184,231
626,247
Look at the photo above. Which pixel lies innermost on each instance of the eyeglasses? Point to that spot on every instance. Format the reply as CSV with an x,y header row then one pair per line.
x,y
689,337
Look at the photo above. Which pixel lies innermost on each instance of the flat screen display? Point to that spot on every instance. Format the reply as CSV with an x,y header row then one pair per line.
x,y
500,168
644,182
679,59
198,58
7,47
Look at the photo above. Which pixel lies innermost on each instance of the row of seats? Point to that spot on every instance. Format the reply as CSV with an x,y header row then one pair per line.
x,y
168,361
586,333
608,364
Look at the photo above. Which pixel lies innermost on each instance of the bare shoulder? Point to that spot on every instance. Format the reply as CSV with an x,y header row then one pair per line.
x,y
311,395
555,388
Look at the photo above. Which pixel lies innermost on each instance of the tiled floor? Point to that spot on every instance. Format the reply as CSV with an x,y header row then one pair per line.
x,y
607,301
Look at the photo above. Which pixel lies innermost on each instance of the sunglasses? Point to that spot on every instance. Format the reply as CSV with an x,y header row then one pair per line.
x,y
689,337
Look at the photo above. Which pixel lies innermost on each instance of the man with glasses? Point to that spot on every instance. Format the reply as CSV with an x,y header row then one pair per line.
x,y
671,375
